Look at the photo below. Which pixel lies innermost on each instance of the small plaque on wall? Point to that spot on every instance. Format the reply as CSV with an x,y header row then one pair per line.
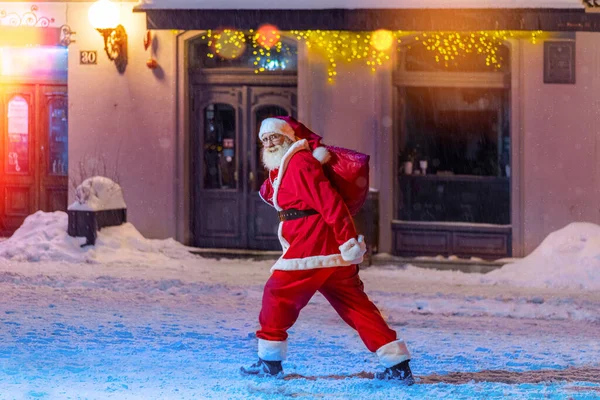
x,y
88,57
559,62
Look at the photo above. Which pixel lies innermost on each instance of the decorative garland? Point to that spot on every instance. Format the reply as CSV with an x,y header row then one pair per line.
x,y
448,47
28,18
372,49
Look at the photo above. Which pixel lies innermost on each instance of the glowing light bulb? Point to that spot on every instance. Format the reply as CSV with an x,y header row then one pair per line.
x,y
382,39
104,14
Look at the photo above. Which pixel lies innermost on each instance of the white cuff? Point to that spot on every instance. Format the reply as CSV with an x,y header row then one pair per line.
x,y
353,249
393,353
270,350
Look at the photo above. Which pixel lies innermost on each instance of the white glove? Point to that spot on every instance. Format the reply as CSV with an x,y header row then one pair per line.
x,y
354,249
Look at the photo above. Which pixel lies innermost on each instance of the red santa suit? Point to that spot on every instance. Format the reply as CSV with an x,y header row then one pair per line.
x,y
320,253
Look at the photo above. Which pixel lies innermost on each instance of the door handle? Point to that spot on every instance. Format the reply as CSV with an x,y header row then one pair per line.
x,y
251,181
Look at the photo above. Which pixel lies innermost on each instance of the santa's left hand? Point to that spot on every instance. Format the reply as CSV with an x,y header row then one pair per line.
x,y
353,249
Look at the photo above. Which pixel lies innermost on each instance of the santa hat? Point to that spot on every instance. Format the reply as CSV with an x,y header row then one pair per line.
x,y
295,130
276,125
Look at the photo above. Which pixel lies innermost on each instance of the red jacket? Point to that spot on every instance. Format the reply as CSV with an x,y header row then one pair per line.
x,y
326,239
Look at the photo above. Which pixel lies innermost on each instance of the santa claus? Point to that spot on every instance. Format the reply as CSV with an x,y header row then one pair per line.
x,y
321,252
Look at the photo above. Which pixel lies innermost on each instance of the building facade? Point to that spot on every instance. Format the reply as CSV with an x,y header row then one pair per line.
x,y
502,139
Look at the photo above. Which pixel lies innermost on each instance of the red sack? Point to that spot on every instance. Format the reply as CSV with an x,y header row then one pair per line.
x,y
348,170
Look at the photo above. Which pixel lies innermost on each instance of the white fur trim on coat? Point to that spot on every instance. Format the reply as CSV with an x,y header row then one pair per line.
x,y
322,154
284,243
353,249
270,350
393,353
300,264
276,125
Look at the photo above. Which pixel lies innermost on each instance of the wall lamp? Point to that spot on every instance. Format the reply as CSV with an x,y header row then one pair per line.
x,y
104,16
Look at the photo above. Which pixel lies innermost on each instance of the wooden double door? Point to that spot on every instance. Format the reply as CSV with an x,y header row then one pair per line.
x,y
33,151
227,170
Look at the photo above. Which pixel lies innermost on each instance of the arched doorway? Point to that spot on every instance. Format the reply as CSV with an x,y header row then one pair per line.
x,y
228,103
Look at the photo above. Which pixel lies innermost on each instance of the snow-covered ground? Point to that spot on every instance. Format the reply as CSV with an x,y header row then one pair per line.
x,y
132,318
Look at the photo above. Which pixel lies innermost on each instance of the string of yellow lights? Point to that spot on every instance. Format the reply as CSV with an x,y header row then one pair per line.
x,y
372,49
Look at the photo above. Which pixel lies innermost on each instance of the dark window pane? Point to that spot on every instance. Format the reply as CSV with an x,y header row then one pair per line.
x,y
58,138
220,147
459,142
458,131
18,135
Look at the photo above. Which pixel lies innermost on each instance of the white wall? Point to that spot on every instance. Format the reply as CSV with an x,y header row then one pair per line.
x,y
561,160
128,120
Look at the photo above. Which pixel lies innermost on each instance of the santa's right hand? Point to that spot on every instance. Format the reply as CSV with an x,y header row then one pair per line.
x,y
353,249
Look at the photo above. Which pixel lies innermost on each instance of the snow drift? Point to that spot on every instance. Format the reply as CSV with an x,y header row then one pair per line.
x,y
43,237
568,258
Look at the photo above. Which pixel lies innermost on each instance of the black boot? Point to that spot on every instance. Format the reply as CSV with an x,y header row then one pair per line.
x,y
400,372
263,368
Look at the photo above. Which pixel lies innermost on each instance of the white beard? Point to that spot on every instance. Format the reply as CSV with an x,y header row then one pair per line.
x,y
271,157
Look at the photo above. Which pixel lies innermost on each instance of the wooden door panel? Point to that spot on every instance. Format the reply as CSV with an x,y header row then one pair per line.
x,y
219,215
18,200
53,161
219,197
264,224
55,198
17,204
18,155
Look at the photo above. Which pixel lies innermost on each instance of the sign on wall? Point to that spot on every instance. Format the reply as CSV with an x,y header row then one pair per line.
x,y
88,57
559,62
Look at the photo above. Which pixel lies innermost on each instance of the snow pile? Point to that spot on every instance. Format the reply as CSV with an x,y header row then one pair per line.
x,y
567,259
43,237
98,193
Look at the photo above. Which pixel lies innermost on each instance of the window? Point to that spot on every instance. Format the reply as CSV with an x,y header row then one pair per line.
x,y
241,56
58,162
219,147
458,131
18,135
454,153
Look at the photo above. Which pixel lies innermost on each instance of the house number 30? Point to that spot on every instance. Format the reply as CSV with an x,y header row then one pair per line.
x,y
88,57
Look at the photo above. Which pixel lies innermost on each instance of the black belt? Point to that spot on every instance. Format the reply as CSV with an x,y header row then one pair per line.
x,y
288,215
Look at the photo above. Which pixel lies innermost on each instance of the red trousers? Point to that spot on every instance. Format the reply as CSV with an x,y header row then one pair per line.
x,y
287,292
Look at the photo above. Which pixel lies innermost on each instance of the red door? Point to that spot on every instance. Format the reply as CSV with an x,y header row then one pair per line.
x,y
33,151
